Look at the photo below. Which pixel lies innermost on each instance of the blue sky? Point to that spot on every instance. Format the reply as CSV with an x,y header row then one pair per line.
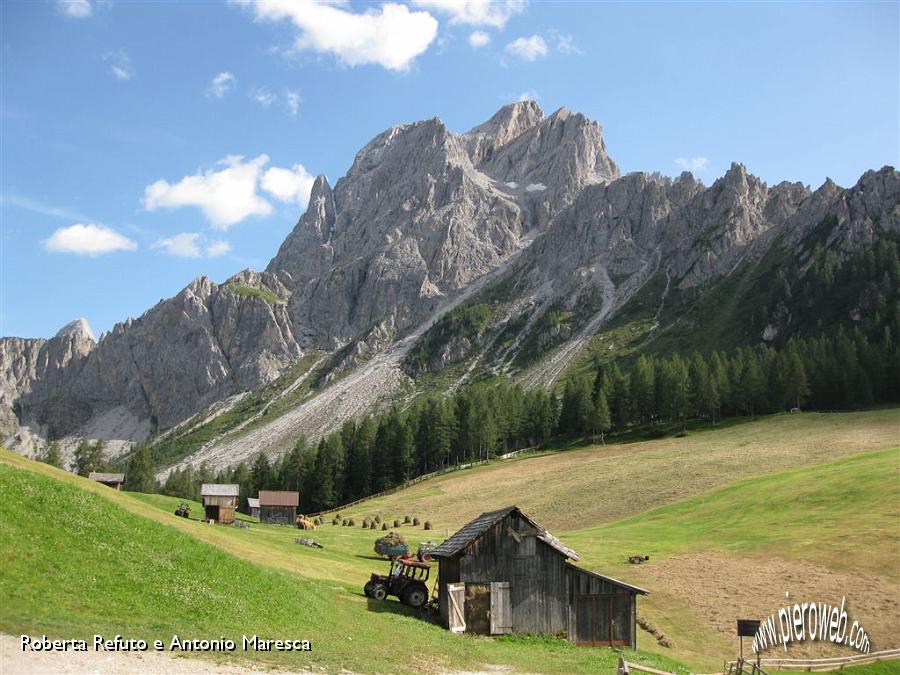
x,y
147,143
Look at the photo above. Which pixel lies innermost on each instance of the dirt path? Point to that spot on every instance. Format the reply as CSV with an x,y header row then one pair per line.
x,y
13,661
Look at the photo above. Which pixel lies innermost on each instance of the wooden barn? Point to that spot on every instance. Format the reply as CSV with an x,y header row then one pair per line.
x,y
278,507
113,480
220,501
253,506
504,573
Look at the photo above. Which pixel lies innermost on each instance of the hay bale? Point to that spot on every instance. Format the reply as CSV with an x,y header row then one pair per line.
x,y
335,522
427,525
396,522
305,524
407,520
416,521
373,525
377,518
351,523
344,522
366,523
384,526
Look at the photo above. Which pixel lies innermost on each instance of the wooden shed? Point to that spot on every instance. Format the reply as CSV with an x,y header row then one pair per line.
x,y
278,507
113,480
253,506
504,573
220,501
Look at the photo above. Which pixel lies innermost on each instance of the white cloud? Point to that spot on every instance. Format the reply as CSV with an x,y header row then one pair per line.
x,y
221,84
479,39
264,97
192,245
120,64
183,245
226,197
565,43
89,240
392,36
693,163
76,9
528,48
292,101
216,248
288,185
493,13
530,95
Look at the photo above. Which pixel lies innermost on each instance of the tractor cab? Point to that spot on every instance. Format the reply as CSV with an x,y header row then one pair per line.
x,y
405,580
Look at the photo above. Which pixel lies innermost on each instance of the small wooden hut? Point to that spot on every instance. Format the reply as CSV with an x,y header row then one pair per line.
x,y
113,480
278,507
253,506
220,501
504,573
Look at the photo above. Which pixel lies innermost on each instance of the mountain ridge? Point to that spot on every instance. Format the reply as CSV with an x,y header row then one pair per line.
x,y
528,208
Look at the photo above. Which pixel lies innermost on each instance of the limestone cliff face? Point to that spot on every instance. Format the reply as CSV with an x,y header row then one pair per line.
x,y
423,219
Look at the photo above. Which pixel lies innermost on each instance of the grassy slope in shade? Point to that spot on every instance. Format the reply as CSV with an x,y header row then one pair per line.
x,y
76,563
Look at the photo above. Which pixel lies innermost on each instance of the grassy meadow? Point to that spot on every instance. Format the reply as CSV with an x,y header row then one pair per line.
x,y
732,519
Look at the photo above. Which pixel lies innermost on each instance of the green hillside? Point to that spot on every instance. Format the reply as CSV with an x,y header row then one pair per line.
x,y
77,560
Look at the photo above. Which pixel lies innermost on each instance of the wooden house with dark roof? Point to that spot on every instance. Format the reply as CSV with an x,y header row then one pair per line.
x,y
278,507
113,480
253,506
220,501
504,573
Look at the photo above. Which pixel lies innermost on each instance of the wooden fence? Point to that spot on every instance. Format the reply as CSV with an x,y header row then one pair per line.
x,y
825,665
625,668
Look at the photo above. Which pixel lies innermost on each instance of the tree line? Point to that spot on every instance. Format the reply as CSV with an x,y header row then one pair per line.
x,y
845,371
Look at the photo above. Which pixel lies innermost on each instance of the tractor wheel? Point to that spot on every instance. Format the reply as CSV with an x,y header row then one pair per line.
x,y
415,597
377,591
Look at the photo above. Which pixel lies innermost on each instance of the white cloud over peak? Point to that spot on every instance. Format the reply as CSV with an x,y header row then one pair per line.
x,y
494,13
75,9
693,163
88,240
479,39
292,101
221,84
192,245
528,48
183,245
264,97
225,197
216,248
120,64
230,194
391,36
288,185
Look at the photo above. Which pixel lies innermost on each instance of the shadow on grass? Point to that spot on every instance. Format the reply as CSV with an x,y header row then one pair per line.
x,y
392,606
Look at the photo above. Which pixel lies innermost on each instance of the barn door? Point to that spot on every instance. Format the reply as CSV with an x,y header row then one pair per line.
x,y
456,609
501,609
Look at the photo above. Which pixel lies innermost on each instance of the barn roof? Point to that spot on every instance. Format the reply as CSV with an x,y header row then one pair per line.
x,y
475,528
219,490
107,477
278,498
610,580
253,502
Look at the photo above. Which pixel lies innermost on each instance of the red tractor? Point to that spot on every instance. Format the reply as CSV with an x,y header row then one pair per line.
x,y
405,581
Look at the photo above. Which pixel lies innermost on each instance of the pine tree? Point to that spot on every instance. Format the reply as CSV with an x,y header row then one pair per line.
x,y
88,457
600,420
261,474
52,455
139,474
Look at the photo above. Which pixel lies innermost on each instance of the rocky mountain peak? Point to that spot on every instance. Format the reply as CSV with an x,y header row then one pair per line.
x,y
77,329
509,122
